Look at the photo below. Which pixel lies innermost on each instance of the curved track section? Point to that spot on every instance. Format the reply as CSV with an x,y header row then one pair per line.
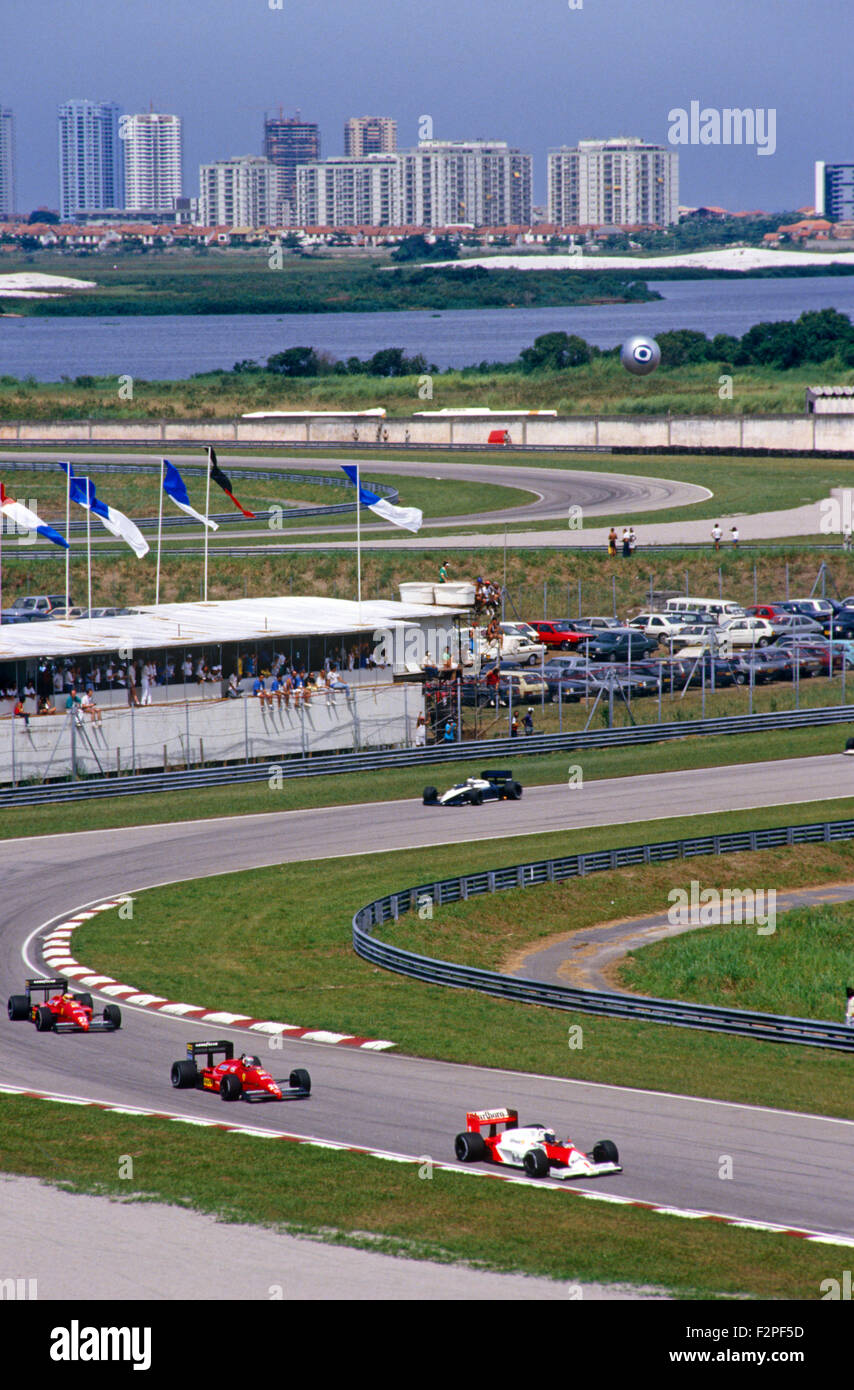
x,y
795,1170
555,490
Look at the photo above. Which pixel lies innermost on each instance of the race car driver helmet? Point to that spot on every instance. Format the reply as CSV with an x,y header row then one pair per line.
x,y
249,1061
549,1136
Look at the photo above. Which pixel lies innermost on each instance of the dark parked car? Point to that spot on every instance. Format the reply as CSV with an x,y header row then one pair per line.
x,y
617,644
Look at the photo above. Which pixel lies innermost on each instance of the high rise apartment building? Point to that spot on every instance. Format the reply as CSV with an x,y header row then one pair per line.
x,y
369,135
349,192
622,182
152,145
7,162
834,191
239,192
447,183
91,158
289,141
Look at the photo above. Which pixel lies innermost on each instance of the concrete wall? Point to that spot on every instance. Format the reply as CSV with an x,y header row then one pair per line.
x,y
210,731
803,433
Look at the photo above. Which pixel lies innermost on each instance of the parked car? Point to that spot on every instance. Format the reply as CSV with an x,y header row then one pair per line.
x,y
37,603
618,643
563,635
597,623
839,624
660,625
522,686
749,632
59,614
819,608
769,664
798,622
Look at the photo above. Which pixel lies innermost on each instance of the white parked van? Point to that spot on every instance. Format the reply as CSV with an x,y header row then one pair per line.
x,y
719,608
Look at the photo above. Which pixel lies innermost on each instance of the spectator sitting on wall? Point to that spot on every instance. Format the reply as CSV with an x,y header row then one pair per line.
x,y
20,712
233,689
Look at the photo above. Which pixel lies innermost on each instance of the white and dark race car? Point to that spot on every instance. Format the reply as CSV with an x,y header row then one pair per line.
x,y
495,785
496,1136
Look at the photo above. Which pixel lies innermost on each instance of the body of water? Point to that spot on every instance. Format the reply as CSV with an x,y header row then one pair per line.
x,y
171,347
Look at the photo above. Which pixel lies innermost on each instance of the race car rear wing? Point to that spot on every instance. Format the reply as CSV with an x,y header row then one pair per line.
x,y
57,984
479,1120
210,1050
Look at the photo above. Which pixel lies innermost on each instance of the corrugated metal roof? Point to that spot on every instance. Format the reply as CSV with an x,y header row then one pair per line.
x,y
205,624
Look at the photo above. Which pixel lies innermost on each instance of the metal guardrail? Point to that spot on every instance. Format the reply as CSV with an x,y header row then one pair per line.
x,y
377,759
744,1023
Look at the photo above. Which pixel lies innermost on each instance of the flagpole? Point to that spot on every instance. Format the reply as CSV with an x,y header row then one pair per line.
x,y
89,548
207,514
68,536
159,535
358,541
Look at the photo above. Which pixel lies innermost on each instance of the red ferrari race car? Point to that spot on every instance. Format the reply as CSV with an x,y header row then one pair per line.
x,y
496,1136
62,1012
236,1078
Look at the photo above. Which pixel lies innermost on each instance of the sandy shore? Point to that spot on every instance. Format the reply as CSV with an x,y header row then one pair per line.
x,y
728,258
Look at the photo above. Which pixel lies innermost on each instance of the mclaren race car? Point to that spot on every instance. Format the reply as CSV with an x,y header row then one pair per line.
x,y
496,1136
235,1078
61,1011
490,785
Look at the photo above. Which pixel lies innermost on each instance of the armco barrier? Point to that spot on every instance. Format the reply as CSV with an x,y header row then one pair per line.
x,y
473,750
738,1022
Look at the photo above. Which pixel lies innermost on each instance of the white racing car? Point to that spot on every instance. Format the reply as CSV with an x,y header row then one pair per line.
x,y
490,785
496,1136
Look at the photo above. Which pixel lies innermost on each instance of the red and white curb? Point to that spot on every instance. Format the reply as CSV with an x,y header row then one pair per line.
x,y
55,948
311,1141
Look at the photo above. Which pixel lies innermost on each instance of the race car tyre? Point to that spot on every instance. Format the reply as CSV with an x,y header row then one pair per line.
x,y
184,1075
18,1007
476,799
300,1079
470,1147
85,1000
536,1163
431,796
230,1087
44,1020
605,1152
515,791
113,1014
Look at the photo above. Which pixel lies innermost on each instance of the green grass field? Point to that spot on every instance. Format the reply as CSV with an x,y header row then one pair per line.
x,y
352,1199
189,942
801,969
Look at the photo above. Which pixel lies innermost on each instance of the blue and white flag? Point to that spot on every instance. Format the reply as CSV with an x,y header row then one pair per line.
x,y
408,517
82,491
25,520
173,486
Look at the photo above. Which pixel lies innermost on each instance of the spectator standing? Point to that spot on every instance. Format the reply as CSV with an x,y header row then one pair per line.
x,y
612,542
626,543
420,732
528,722
849,1007
633,540
716,536
133,698
733,531
514,726
443,572
146,683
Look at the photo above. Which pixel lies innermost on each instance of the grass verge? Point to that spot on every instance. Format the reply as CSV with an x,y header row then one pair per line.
x,y
352,1199
189,941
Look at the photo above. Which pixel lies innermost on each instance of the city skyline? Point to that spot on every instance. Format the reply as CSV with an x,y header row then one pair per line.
x,y
607,69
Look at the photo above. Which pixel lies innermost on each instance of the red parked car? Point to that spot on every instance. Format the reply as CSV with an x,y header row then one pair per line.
x,y
563,635
62,1012
235,1078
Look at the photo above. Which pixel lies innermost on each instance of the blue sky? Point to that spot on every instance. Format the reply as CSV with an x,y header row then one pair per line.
x,y
537,74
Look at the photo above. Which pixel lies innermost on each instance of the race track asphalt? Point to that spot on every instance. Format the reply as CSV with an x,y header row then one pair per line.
x,y
792,1169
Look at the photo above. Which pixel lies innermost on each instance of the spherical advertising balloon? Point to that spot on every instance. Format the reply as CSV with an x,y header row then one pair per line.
x,y
640,355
